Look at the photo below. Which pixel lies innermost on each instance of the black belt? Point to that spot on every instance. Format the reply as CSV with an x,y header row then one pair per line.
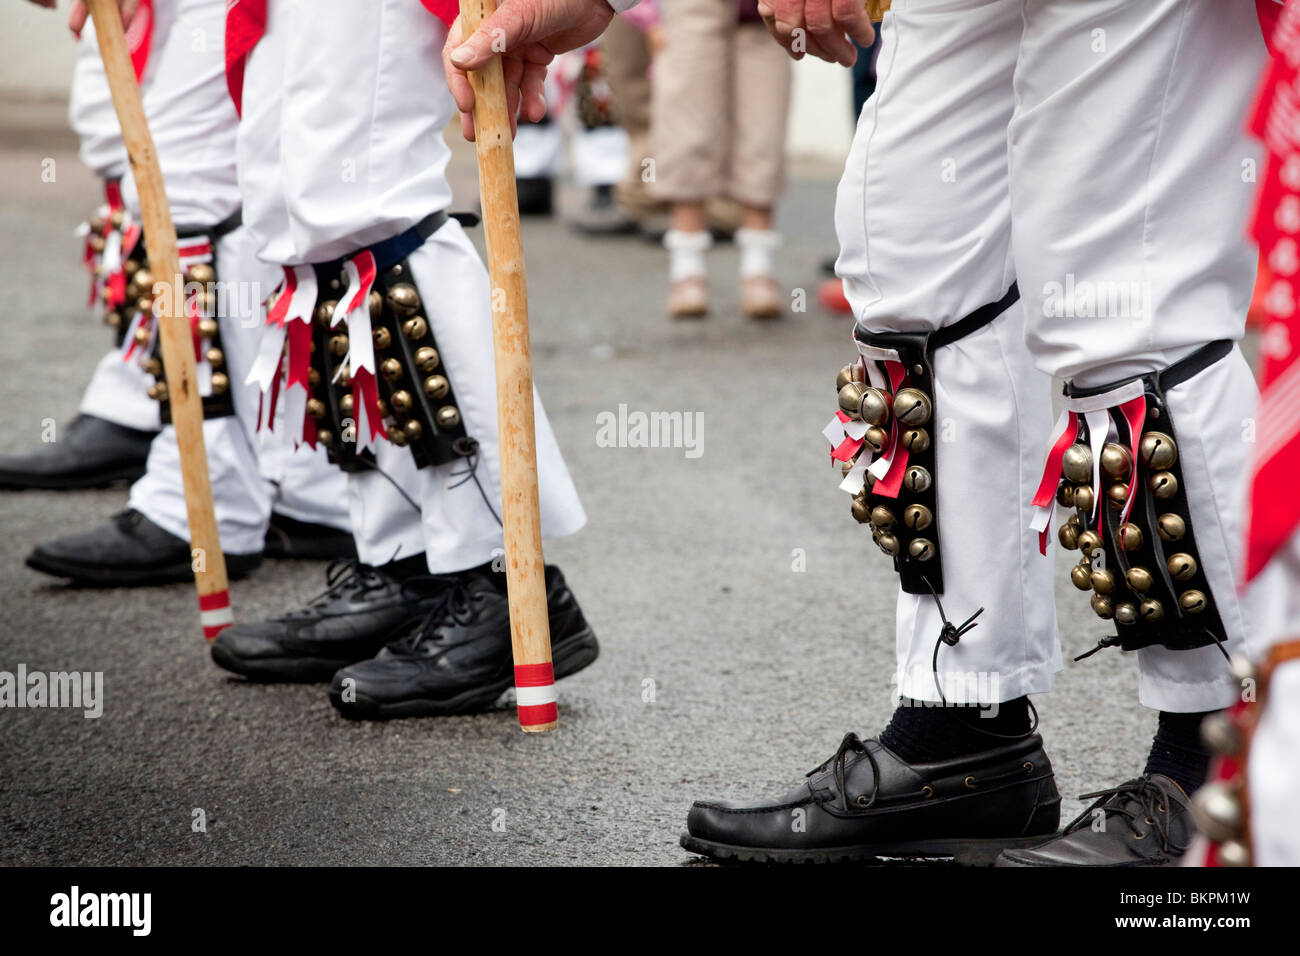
x,y
226,226
949,333
1185,368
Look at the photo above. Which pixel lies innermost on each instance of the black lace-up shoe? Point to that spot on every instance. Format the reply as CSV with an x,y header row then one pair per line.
x,y
360,610
1142,822
867,803
458,659
89,453
127,551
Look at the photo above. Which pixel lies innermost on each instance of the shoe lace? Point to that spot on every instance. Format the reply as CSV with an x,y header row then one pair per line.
x,y
345,574
453,603
1140,802
851,743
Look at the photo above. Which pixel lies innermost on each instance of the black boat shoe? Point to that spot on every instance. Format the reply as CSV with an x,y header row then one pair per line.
x,y
866,803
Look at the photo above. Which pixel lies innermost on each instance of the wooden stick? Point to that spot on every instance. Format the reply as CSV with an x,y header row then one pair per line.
x,y
177,340
530,631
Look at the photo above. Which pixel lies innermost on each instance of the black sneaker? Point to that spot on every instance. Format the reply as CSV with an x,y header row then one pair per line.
x,y
288,538
458,660
360,610
866,803
89,453
1142,822
127,551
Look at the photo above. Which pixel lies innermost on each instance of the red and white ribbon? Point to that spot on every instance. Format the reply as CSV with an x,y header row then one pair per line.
x,y
354,308
289,317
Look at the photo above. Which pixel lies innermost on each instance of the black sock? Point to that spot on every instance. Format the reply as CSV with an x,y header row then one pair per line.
x,y
920,732
404,568
1178,751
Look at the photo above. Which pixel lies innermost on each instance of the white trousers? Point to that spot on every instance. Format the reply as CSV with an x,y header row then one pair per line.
x,y
193,125
341,147
1076,146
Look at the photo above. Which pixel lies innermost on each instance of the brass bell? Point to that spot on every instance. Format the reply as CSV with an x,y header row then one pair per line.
x,y
339,344
1065,494
916,440
315,408
1125,613
158,391
415,329
1163,484
850,373
344,377
142,334
130,267
1117,495
382,337
391,369
144,304
142,280
921,549
1217,810
1081,577
882,518
1139,579
1068,535
347,403
912,406
325,437
874,408
1083,499
1089,542
448,416
847,466
220,383
376,303
887,543
325,313
876,439
1116,461
96,244
313,377
426,359
1076,463
97,224
114,319
153,367
381,406
850,398
396,435
1232,853
1221,735
1182,566
917,479
201,273
917,517
435,386
1130,536
402,401
1103,581
413,429
860,510
1193,601
1103,606
404,299
1171,526
1151,610
216,358
207,328
117,217
1158,450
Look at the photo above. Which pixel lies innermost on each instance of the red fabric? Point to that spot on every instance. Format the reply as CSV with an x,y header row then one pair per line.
x,y
1274,512
246,22
139,38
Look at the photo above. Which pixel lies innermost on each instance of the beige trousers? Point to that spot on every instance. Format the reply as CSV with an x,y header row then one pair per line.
x,y
721,96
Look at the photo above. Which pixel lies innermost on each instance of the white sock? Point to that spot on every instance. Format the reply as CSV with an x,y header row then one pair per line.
x,y
686,253
756,247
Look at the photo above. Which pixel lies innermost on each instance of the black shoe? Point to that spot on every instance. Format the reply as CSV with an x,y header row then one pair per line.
x,y
89,453
129,550
288,538
536,195
458,660
360,610
866,803
1142,822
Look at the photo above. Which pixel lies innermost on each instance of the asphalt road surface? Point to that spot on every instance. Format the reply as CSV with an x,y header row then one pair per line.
x,y
724,671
